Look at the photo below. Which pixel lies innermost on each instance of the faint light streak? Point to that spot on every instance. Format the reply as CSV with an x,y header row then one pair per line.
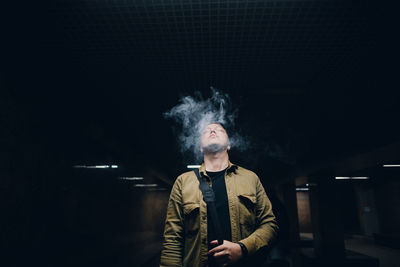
x,y
352,178
193,166
79,166
131,178
98,167
156,189
95,166
302,189
391,165
145,185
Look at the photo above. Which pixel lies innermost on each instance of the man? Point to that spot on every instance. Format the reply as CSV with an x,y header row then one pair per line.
x,y
244,211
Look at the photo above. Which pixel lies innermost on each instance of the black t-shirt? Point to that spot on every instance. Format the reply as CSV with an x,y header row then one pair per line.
x,y
221,203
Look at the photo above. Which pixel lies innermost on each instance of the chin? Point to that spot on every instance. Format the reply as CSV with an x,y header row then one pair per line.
x,y
214,148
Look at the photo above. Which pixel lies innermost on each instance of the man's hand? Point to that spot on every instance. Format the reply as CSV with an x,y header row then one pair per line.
x,y
226,254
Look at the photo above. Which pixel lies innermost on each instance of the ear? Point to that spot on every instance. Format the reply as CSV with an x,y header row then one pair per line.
x,y
229,147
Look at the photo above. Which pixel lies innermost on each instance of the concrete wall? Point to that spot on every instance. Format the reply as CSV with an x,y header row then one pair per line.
x,y
303,209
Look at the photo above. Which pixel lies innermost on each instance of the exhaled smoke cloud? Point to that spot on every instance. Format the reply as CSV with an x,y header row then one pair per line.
x,y
194,113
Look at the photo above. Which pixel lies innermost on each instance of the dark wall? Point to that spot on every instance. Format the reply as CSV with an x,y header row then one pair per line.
x,y
348,204
56,218
349,207
388,206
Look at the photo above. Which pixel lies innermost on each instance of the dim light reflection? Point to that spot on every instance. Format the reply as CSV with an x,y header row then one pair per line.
x,y
193,166
302,189
391,165
352,178
156,189
311,184
145,185
95,167
131,178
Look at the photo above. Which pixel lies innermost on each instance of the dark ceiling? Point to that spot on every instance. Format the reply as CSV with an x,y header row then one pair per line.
x,y
89,80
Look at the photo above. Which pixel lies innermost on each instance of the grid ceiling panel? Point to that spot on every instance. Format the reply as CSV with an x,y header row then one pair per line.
x,y
224,43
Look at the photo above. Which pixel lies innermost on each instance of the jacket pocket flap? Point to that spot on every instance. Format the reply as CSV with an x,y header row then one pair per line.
x,y
190,207
248,198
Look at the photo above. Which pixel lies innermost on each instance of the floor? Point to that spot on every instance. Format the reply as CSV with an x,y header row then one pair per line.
x,y
388,257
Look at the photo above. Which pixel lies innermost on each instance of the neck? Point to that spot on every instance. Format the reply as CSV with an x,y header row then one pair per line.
x,y
215,162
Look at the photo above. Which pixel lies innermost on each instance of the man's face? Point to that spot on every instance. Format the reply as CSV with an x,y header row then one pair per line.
x,y
214,138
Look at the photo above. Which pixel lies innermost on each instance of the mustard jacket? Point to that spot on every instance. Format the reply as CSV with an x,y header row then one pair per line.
x,y
185,234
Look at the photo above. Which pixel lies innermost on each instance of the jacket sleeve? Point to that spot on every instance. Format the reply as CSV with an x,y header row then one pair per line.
x,y
265,222
172,251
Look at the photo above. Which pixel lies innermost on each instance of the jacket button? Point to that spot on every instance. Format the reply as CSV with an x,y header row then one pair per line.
x,y
204,241
204,217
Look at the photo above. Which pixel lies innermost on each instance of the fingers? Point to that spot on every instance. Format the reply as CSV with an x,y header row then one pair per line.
x,y
220,254
214,242
217,249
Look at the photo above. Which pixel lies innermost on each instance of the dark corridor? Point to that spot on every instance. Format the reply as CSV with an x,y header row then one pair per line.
x,y
88,160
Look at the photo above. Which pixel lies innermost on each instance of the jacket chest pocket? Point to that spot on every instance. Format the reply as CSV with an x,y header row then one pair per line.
x,y
247,214
191,219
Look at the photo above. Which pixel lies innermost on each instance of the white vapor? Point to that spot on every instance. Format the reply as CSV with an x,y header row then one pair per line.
x,y
194,113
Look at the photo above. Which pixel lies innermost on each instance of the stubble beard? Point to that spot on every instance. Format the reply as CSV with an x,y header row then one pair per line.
x,y
214,148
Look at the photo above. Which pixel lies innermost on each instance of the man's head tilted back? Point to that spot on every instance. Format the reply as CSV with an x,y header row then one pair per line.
x,y
214,139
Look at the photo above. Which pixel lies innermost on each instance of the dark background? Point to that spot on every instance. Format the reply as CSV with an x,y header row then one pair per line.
x,y
86,83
